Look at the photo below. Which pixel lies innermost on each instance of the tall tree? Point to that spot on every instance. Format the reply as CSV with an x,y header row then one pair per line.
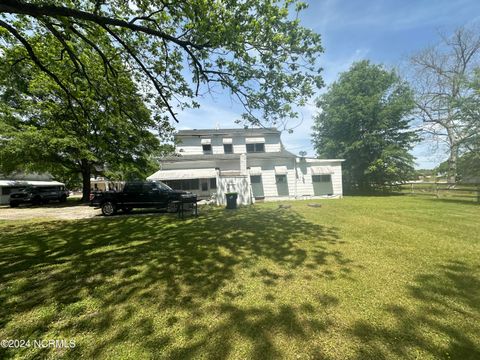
x,y
364,118
42,130
177,49
468,167
442,78
470,112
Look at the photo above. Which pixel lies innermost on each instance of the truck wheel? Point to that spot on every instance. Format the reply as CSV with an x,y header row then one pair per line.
x,y
13,204
63,198
108,208
127,210
36,200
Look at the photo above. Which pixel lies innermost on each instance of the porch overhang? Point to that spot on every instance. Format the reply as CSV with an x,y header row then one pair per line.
x,y
281,170
322,170
184,174
255,170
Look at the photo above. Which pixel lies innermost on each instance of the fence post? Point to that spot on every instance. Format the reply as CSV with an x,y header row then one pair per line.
x,y
478,193
436,190
411,185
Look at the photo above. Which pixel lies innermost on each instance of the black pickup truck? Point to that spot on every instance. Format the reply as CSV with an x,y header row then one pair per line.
x,y
146,194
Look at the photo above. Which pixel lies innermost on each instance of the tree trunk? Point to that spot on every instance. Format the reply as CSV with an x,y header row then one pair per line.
x,y
452,163
86,173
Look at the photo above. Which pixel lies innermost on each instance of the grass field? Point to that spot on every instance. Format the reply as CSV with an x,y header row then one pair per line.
x,y
357,278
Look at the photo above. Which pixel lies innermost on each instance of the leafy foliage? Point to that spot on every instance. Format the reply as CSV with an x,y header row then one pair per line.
x,y
255,49
363,118
468,167
42,130
470,110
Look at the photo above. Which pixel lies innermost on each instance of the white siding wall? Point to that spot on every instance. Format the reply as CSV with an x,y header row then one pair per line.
x,y
238,184
191,145
189,165
269,184
299,183
268,175
239,146
304,171
217,145
291,180
304,180
272,143
337,179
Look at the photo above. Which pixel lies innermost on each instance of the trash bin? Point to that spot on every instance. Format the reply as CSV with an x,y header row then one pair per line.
x,y
231,200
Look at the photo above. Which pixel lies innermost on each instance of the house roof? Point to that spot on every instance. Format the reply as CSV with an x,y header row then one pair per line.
x,y
265,155
227,132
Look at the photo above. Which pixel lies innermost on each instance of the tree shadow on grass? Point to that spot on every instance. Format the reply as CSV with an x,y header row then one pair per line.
x,y
436,327
99,274
470,201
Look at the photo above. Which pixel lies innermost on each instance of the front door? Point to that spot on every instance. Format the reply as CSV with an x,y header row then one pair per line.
x,y
282,185
204,186
322,185
257,186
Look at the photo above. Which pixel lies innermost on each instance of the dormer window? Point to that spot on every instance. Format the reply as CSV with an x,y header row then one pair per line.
x,y
207,149
227,145
228,148
255,145
255,148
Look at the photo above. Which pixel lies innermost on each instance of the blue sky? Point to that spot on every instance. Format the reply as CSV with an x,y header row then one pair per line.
x,y
384,31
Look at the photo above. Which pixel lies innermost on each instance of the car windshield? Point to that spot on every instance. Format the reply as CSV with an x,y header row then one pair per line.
x,y
163,186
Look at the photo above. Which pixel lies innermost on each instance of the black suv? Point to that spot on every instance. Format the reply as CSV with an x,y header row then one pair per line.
x,y
144,194
37,195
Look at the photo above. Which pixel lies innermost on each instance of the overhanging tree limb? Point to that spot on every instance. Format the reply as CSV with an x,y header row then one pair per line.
x,y
37,62
106,63
252,48
22,8
145,70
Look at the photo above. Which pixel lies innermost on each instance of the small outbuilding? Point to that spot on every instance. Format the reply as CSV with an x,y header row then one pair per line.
x,y
8,187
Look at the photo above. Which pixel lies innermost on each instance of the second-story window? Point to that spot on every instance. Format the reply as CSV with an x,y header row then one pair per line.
x,y
207,148
228,148
256,147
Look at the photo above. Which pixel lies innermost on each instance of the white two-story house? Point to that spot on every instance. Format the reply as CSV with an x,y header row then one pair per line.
x,y
251,162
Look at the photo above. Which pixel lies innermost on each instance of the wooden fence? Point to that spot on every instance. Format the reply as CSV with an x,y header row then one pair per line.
x,y
455,191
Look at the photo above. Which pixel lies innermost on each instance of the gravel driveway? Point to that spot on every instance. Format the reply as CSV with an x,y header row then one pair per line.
x,y
53,211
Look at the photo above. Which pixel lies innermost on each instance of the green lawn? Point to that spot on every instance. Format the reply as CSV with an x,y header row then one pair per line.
x,y
364,277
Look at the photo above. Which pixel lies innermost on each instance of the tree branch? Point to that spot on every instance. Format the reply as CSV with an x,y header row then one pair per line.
x,y
19,7
106,62
37,61
145,70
